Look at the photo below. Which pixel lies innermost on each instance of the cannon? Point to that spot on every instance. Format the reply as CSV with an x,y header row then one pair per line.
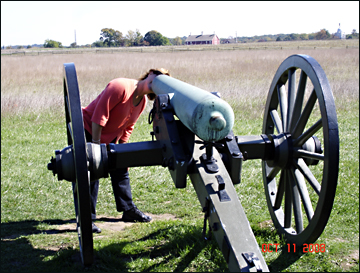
x,y
193,136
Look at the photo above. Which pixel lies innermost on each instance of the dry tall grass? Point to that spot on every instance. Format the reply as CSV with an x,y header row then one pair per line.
x,y
34,83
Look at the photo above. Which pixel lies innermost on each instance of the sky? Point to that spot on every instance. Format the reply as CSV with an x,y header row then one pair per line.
x,y
33,22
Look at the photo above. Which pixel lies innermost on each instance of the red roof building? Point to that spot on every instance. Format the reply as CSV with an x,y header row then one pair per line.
x,y
212,39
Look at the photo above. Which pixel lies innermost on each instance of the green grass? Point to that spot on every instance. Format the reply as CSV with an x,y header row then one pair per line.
x,y
37,211
34,204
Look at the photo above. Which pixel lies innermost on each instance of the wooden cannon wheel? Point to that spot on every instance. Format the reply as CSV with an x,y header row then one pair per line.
x,y
76,138
300,183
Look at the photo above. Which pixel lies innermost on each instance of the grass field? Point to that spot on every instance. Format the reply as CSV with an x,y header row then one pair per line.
x,y
37,214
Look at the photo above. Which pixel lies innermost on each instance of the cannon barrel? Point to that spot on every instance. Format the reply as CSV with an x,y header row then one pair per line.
x,y
205,114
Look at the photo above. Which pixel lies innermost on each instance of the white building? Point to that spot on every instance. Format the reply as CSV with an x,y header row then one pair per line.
x,y
340,34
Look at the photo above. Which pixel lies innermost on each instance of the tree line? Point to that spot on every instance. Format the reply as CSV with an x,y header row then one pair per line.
x,y
110,37
323,34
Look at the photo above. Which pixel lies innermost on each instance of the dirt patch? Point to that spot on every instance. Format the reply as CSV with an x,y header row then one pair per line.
x,y
340,240
114,223
106,223
266,224
351,261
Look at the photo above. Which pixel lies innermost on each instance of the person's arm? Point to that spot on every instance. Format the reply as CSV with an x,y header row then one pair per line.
x,y
96,132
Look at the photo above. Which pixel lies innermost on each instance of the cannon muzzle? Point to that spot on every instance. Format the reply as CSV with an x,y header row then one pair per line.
x,y
202,112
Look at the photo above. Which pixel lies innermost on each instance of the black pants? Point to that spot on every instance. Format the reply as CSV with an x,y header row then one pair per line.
x,y
121,187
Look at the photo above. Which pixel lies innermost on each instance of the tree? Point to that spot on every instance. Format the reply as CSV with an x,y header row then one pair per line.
x,y
304,36
139,39
98,44
73,45
134,38
353,35
311,36
322,34
164,41
177,41
52,44
111,37
155,38
119,39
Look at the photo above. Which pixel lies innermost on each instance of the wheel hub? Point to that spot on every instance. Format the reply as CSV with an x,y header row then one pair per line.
x,y
283,150
64,166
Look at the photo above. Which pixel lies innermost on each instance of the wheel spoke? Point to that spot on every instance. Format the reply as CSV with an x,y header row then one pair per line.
x,y
69,129
291,96
276,119
282,103
288,201
299,100
300,181
307,154
296,201
67,116
299,127
308,133
272,173
306,172
280,192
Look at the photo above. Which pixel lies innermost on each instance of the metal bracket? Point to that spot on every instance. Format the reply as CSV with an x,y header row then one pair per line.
x,y
209,164
232,157
223,196
207,158
206,210
251,258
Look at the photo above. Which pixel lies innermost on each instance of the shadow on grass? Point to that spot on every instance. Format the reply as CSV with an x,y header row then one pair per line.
x,y
174,247
286,258
165,249
168,248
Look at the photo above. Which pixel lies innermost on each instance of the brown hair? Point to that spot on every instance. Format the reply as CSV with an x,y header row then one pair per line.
x,y
156,71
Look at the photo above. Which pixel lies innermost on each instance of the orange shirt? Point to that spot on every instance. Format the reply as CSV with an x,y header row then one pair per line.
x,y
113,109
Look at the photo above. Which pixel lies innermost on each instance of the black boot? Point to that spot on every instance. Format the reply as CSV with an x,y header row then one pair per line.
x,y
95,229
135,215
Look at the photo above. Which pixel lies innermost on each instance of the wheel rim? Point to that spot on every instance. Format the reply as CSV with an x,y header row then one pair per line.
x,y
300,113
76,138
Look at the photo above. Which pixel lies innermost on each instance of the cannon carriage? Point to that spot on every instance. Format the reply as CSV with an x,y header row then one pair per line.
x,y
193,136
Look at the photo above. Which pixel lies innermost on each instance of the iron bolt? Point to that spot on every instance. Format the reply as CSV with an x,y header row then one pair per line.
x,y
215,227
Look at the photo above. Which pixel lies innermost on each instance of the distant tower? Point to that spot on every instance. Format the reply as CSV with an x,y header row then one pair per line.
x,y
75,37
340,34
